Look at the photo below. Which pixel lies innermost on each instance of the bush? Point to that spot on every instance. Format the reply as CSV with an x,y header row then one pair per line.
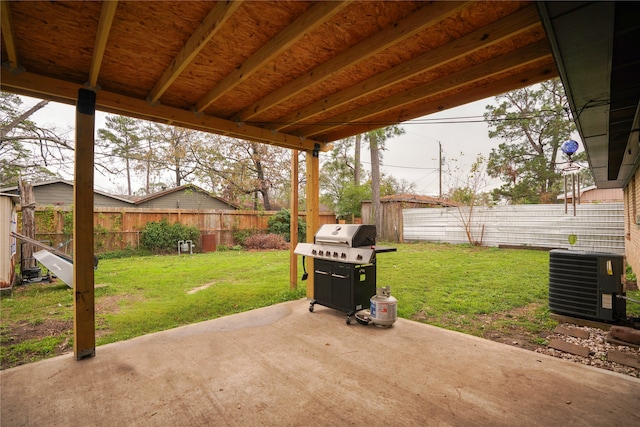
x,y
280,223
266,241
239,236
162,237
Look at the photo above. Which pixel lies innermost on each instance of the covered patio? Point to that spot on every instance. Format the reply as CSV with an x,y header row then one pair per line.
x,y
298,75
282,365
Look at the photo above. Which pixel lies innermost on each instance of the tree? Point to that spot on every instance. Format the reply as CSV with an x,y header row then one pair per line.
x,y
338,189
242,171
377,139
533,122
150,160
340,185
27,149
175,152
120,142
468,196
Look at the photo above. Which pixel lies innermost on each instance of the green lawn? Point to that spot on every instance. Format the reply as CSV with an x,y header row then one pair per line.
x,y
480,291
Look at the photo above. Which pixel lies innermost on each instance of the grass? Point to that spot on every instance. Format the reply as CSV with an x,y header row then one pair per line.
x,y
486,292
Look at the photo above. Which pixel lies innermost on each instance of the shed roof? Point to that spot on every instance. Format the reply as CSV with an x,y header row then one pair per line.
x,y
14,189
290,73
143,199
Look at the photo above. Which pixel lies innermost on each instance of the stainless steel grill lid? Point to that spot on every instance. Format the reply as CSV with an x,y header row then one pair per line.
x,y
348,243
349,235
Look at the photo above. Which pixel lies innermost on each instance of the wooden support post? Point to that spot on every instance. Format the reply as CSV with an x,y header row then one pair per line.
x,y
84,331
573,192
312,208
293,232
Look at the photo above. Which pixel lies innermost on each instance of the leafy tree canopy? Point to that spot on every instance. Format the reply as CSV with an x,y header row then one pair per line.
x,y
26,149
533,122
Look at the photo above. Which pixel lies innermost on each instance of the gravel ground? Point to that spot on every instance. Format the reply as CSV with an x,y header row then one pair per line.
x,y
598,348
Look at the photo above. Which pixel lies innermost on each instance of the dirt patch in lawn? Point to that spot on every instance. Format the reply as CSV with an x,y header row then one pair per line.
x,y
21,332
24,331
511,327
200,288
13,334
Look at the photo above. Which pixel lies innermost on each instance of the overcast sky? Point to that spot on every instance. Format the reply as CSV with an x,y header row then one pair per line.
x,y
412,157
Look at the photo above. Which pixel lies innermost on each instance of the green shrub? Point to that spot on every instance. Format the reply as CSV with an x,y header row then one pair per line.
x,y
239,236
280,223
162,237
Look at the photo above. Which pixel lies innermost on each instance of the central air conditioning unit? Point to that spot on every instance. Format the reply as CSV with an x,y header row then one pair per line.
x,y
586,285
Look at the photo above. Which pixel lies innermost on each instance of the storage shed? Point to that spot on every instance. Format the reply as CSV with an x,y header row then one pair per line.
x,y
8,249
392,207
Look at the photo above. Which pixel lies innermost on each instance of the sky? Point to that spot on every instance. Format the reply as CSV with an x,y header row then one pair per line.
x,y
412,157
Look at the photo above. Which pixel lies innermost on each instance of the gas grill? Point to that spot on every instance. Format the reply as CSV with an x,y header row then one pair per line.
x,y
344,267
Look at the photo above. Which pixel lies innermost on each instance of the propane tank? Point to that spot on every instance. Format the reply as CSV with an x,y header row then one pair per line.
x,y
383,308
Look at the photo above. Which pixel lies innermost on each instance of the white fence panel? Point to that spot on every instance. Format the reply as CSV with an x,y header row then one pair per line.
x,y
599,227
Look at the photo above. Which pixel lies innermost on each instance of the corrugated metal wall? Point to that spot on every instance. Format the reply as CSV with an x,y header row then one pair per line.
x,y
599,227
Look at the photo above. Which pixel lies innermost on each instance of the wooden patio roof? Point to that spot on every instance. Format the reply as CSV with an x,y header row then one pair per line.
x,y
297,74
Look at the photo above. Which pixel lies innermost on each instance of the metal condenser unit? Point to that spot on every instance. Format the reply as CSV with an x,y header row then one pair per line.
x,y
586,285
344,266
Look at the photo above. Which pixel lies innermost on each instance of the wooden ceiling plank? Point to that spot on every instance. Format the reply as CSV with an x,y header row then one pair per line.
x,y
43,87
307,22
416,22
514,24
198,40
517,58
513,82
7,34
102,35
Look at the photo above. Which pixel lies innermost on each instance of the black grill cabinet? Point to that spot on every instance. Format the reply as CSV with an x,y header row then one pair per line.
x,y
344,287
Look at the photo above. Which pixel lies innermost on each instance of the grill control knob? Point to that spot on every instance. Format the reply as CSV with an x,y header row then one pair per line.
x,y
320,253
343,256
335,254
359,257
313,252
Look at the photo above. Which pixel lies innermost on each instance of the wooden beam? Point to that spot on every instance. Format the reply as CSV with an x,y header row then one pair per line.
x,y
199,39
307,22
102,35
428,15
43,87
496,32
7,34
514,59
312,208
84,329
293,223
516,81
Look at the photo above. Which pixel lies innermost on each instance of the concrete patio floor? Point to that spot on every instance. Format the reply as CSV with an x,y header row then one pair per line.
x,y
284,366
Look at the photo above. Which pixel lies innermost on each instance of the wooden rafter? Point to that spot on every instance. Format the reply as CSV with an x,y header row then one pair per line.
x,y
7,34
517,58
312,18
30,84
416,22
102,35
516,23
516,81
199,39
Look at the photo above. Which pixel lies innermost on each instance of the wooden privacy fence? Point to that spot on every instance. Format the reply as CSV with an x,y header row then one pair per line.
x,y
120,228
